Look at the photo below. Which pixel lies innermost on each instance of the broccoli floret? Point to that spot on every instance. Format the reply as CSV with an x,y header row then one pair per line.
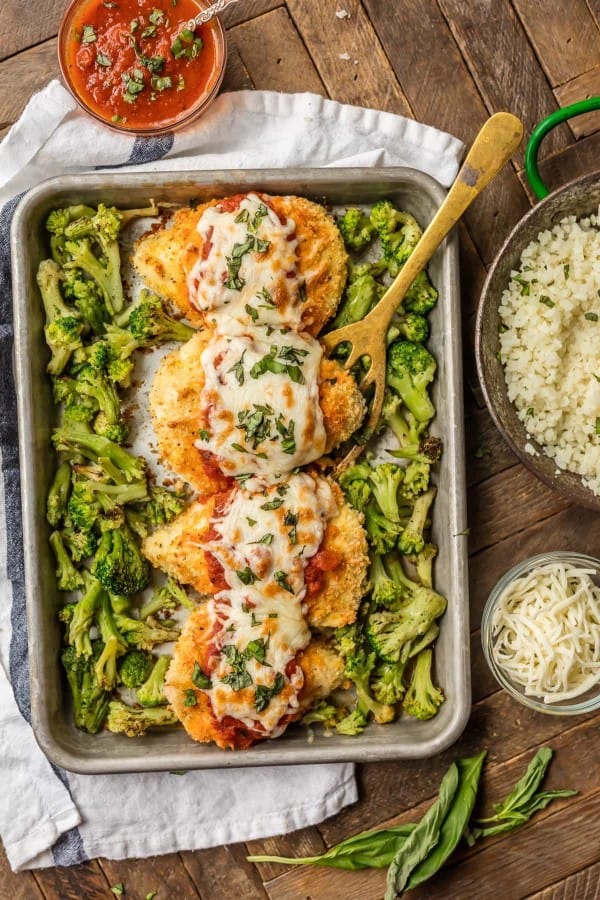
x,y
423,563
386,479
151,691
409,371
412,540
81,256
145,634
411,327
362,293
416,479
385,591
399,233
83,616
97,503
415,444
358,667
355,483
422,698
90,700
119,564
58,219
121,345
381,532
86,298
103,228
78,409
118,464
80,544
67,576
347,639
390,632
169,596
421,296
325,713
134,668
63,327
123,719
114,645
387,682
91,382
356,229
352,724
58,495
150,324
424,640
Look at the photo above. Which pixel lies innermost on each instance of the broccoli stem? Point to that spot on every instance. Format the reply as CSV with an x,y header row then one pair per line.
x,y
119,464
58,495
151,691
67,576
83,615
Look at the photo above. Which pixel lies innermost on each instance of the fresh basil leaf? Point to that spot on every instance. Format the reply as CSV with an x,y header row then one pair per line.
x,y
264,693
156,16
103,60
190,698
200,678
247,576
88,35
161,83
272,504
281,579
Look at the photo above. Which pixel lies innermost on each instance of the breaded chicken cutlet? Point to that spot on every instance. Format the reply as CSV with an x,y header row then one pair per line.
x,y
175,405
166,258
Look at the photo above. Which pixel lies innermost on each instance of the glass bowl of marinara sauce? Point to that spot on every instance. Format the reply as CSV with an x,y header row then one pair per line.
x,y
136,66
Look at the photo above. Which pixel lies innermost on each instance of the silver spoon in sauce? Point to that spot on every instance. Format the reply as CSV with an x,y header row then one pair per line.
x,y
207,14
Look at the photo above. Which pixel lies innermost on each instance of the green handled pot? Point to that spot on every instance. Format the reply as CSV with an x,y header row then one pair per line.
x,y
580,198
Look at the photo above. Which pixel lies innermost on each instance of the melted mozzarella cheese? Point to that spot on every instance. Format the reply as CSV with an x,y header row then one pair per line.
x,y
260,401
248,267
263,541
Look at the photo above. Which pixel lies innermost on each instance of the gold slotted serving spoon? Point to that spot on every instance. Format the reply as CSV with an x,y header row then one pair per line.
x,y
491,149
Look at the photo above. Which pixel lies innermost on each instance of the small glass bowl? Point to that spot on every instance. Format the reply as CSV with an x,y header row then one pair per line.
x,y
578,705
182,119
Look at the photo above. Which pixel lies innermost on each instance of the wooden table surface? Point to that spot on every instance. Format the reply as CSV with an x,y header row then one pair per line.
x,y
447,63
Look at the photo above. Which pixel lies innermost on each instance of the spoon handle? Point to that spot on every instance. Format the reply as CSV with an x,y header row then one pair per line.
x,y
207,14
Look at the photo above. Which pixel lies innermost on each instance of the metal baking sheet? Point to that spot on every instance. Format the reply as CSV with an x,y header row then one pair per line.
x,y
168,750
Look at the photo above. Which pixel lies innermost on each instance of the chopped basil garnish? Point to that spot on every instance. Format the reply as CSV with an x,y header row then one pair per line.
x,y
282,489
200,679
264,693
273,504
265,539
185,44
247,576
281,360
291,518
288,443
88,35
134,83
242,216
257,650
239,677
156,16
262,246
251,522
190,698
254,622
281,579
252,312
204,434
530,411
238,447
591,317
566,270
238,369
265,296
102,59
547,301
161,83
149,31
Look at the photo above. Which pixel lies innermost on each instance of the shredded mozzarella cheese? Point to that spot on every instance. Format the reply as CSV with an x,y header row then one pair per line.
x,y
546,632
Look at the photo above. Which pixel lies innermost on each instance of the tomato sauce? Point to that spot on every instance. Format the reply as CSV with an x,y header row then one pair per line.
x,y
130,64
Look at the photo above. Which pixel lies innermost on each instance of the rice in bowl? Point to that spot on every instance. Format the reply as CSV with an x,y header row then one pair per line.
x,y
550,344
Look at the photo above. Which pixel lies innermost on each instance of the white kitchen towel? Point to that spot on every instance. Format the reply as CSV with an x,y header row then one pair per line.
x,y
48,816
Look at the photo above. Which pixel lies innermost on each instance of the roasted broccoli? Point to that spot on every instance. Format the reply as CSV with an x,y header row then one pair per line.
x,y
422,699
67,576
120,345
423,563
409,372
359,664
387,682
421,296
96,503
384,590
169,596
83,616
355,483
353,723
87,299
416,479
134,668
386,479
114,645
63,327
80,255
150,323
79,410
362,293
123,719
56,223
58,495
80,544
91,382
412,539
399,233
116,462
103,229
381,531
356,229
146,633
150,693
119,564
162,506
411,326
324,713
90,700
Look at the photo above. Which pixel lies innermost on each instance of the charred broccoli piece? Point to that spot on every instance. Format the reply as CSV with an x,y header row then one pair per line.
x,y
120,347
410,370
118,564
123,719
90,700
150,324
80,544
422,698
114,645
67,576
169,596
134,668
356,229
83,616
412,540
80,255
116,462
91,382
416,479
79,410
146,633
150,693
63,327
58,495
352,724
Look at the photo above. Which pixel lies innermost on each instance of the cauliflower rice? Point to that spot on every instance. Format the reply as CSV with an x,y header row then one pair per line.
x,y
550,344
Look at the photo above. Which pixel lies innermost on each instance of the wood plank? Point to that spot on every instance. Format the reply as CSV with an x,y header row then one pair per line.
x,y
23,24
578,160
495,47
16,887
237,77
581,88
441,92
576,744
249,9
487,452
274,55
584,885
366,77
85,880
23,75
492,516
166,874
567,41
305,842
223,873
